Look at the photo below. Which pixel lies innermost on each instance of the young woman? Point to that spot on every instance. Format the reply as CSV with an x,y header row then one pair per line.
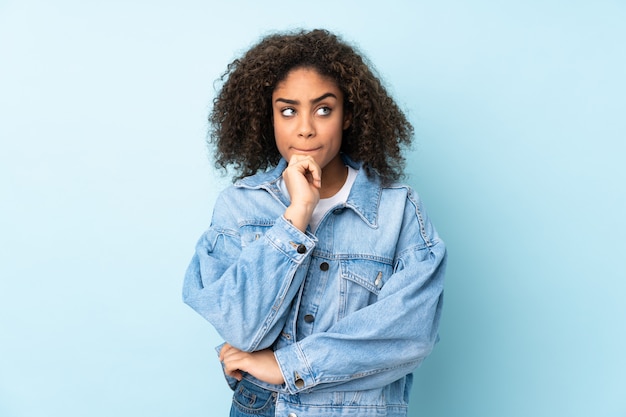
x,y
322,273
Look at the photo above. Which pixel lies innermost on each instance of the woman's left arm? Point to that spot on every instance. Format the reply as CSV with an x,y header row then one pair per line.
x,y
378,344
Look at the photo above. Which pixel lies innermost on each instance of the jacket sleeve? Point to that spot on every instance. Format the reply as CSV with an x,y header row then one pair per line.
x,y
246,292
383,342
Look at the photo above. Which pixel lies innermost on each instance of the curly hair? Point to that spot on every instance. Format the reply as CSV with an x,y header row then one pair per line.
x,y
242,130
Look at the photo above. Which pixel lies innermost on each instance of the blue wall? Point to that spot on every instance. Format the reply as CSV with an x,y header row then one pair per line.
x,y
105,186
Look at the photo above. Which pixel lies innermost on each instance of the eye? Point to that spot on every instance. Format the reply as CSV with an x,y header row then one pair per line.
x,y
288,112
324,111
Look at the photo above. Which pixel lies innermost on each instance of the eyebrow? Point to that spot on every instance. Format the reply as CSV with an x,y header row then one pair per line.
x,y
313,101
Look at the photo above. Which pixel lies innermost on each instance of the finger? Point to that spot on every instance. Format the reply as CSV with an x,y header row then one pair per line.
x,y
307,166
303,162
223,351
313,174
234,357
235,364
237,375
295,158
231,354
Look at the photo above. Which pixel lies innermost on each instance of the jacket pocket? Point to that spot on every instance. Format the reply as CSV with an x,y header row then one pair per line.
x,y
361,282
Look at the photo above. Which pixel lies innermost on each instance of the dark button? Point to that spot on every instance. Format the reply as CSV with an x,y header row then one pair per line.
x,y
309,318
324,266
301,248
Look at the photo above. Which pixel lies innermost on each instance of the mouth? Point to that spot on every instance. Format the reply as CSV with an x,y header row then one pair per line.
x,y
298,150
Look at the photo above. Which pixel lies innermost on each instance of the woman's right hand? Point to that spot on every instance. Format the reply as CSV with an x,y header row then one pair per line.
x,y
303,179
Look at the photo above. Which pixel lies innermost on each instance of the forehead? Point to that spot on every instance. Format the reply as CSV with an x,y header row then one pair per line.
x,y
305,82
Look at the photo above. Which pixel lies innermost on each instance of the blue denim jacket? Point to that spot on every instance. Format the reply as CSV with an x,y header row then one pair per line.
x,y
350,312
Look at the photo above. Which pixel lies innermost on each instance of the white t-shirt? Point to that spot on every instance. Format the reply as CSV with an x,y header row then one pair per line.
x,y
326,204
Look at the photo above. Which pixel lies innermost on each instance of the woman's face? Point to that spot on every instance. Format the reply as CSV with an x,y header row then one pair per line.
x,y
308,116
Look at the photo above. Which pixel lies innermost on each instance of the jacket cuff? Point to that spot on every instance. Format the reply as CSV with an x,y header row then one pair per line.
x,y
290,240
295,368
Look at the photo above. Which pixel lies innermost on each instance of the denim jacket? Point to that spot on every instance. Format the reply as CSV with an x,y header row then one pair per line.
x,y
349,311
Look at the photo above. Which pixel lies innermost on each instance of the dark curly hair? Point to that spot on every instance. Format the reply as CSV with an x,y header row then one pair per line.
x,y
242,131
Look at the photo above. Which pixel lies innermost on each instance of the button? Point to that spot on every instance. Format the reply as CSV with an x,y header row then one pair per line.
x,y
324,266
309,318
298,381
301,248
292,415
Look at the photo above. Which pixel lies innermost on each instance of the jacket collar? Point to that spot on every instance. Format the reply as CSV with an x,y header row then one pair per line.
x,y
364,197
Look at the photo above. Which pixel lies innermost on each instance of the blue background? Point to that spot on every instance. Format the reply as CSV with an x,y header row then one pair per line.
x,y
105,186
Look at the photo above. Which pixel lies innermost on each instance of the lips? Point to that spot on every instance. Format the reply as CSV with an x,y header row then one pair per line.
x,y
306,150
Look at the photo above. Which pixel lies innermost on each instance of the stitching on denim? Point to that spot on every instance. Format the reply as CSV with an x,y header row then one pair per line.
x,y
420,218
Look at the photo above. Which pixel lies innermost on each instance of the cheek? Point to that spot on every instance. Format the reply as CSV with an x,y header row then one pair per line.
x,y
335,130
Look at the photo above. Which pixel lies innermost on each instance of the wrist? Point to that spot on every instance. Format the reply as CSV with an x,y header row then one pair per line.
x,y
299,215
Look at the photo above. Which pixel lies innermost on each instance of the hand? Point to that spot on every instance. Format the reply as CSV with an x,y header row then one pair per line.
x,y
261,364
303,179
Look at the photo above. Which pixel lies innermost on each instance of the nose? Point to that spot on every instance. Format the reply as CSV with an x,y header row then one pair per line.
x,y
306,129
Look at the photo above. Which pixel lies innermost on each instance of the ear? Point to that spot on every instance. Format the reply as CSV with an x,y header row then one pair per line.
x,y
347,120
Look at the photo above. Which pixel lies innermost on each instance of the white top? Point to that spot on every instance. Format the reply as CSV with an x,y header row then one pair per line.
x,y
326,204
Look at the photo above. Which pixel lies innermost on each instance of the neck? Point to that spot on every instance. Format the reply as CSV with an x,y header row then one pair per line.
x,y
333,177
